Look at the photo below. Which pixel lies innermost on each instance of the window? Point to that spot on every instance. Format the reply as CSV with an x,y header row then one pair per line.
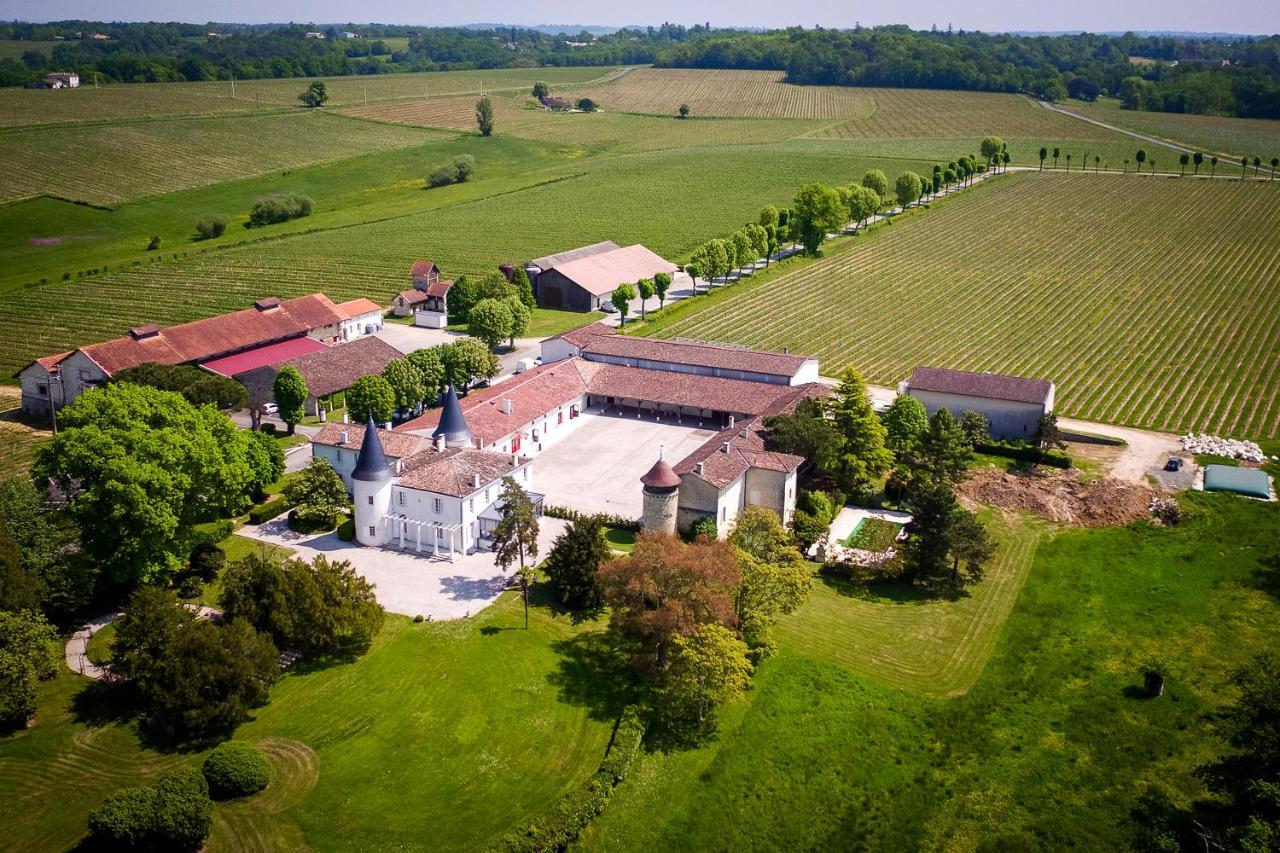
x,y
724,513
373,531
486,495
402,499
437,505
524,474
370,500
44,390
471,504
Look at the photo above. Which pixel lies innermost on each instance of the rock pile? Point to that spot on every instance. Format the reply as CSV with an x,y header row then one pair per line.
x,y
1166,510
1230,447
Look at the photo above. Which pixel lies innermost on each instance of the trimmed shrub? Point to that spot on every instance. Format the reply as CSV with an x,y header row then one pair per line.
x,y
312,519
456,171
236,769
210,533
268,510
207,560
125,818
564,513
347,530
191,587
268,427
1024,453
174,814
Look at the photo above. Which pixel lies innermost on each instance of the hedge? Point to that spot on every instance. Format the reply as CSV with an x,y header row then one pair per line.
x,y
174,814
210,533
1025,453
564,513
236,769
268,510
564,822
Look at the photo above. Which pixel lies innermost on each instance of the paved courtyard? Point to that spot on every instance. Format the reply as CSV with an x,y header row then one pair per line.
x,y
597,467
408,583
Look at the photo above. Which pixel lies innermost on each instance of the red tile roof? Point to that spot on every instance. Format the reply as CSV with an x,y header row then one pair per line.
x,y
215,336
696,353
993,386
453,471
358,307
422,269
261,356
660,476
683,389
583,335
338,367
51,361
600,273
394,444
440,288
413,297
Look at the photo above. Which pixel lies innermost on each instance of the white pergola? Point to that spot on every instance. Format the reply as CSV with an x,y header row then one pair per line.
x,y
406,534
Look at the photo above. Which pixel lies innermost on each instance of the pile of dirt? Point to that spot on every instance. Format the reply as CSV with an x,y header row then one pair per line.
x,y
1059,496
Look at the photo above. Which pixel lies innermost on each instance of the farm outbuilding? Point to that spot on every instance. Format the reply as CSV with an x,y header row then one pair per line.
x,y
1012,404
1250,482
583,279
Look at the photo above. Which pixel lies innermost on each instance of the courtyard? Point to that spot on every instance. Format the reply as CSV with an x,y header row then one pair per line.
x,y
598,466
408,583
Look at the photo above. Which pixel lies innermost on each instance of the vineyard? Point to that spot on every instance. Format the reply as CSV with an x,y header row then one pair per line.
x,y
671,201
1100,283
1230,137
137,100
108,164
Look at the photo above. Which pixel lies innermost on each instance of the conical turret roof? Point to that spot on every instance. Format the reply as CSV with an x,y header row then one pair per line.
x,y
453,426
660,476
371,464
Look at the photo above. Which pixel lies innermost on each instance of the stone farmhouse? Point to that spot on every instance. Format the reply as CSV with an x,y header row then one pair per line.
x,y
271,330
427,300
584,279
1012,404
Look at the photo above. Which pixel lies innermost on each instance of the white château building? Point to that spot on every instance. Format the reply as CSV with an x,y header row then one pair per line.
x,y
442,500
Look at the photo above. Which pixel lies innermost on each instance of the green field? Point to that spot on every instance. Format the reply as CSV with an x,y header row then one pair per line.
x,y
1229,137
1104,284
1048,745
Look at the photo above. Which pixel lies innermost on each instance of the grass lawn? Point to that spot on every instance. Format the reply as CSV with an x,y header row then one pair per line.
x,y
98,649
619,539
398,750
548,322
1051,742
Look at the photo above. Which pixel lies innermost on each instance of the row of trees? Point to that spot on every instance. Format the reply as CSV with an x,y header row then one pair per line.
x,y
646,289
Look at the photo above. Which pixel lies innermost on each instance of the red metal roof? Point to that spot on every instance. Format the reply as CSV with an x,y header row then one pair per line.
x,y
261,356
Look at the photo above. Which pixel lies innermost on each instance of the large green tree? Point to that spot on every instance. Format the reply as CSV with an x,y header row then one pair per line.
x,y
29,653
318,496
661,284
864,203
573,565
904,421
709,668
290,393
520,319
646,289
947,547
877,181
908,188
621,299
407,382
863,455
816,210
431,368
371,395
484,116
942,452
515,537
143,468
199,386
775,578
490,321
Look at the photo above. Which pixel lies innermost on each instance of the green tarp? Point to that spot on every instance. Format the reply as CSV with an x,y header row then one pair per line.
x,y
1243,481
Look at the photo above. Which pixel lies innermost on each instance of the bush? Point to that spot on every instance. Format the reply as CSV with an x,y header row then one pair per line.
x,y
705,526
268,427
1024,453
210,533
191,587
312,519
564,513
456,171
268,510
587,105
154,243
347,530
174,814
236,769
271,211
211,227
206,561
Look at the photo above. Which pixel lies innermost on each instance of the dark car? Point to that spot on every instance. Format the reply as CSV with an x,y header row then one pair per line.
x,y
1174,464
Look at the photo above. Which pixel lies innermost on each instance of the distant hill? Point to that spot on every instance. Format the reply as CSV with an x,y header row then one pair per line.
x,y
555,29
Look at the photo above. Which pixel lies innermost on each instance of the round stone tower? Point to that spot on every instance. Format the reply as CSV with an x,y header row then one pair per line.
x,y
371,488
661,495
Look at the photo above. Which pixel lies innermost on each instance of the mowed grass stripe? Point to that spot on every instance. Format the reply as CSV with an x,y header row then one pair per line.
x,y
1102,283
927,646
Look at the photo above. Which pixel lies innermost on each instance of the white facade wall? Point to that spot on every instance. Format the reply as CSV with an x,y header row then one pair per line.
x,y
38,390
695,369
421,505
729,504
808,372
1009,419
356,327
430,319
557,349
78,373
343,459
542,430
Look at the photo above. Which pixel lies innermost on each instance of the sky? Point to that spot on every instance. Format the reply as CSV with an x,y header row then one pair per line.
x,y
1248,16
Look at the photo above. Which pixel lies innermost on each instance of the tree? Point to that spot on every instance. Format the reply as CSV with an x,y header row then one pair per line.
x,y
318,496
683,111
467,360
1257,163
647,289
816,210
1140,158
775,578
586,105
540,90
807,432
1183,160
371,395
1047,434
694,269
768,215
709,667
20,589
1213,164
876,180
211,227
864,202
44,543
484,116
975,426
621,299
29,653
666,588
197,385
1275,161
1044,152
942,453
574,564
490,321
520,319
1057,152
206,561
716,260
661,284
315,96
904,421
515,537
463,294
743,249
406,382
1244,164
863,456
946,546
143,468
1198,158
152,620
524,288
759,240
990,149
290,393
908,188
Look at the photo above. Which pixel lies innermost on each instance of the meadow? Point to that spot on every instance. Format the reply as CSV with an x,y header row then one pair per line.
x,y
1229,137
1103,284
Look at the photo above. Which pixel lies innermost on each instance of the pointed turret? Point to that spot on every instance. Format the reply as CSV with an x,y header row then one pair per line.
x,y
661,495
453,426
371,464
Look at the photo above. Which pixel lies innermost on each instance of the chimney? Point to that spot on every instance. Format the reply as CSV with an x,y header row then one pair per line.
x,y
515,459
475,481
343,437
786,350
730,421
697,468
439,442
506,406
346,419
724,448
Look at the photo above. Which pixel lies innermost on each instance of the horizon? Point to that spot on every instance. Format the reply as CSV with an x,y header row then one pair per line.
x,y
1093,16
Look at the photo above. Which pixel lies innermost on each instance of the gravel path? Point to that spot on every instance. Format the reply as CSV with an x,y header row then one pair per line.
x,y
76,654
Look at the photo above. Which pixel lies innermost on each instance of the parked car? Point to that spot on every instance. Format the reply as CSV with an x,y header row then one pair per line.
x,y
271,409
608,308
1174,464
